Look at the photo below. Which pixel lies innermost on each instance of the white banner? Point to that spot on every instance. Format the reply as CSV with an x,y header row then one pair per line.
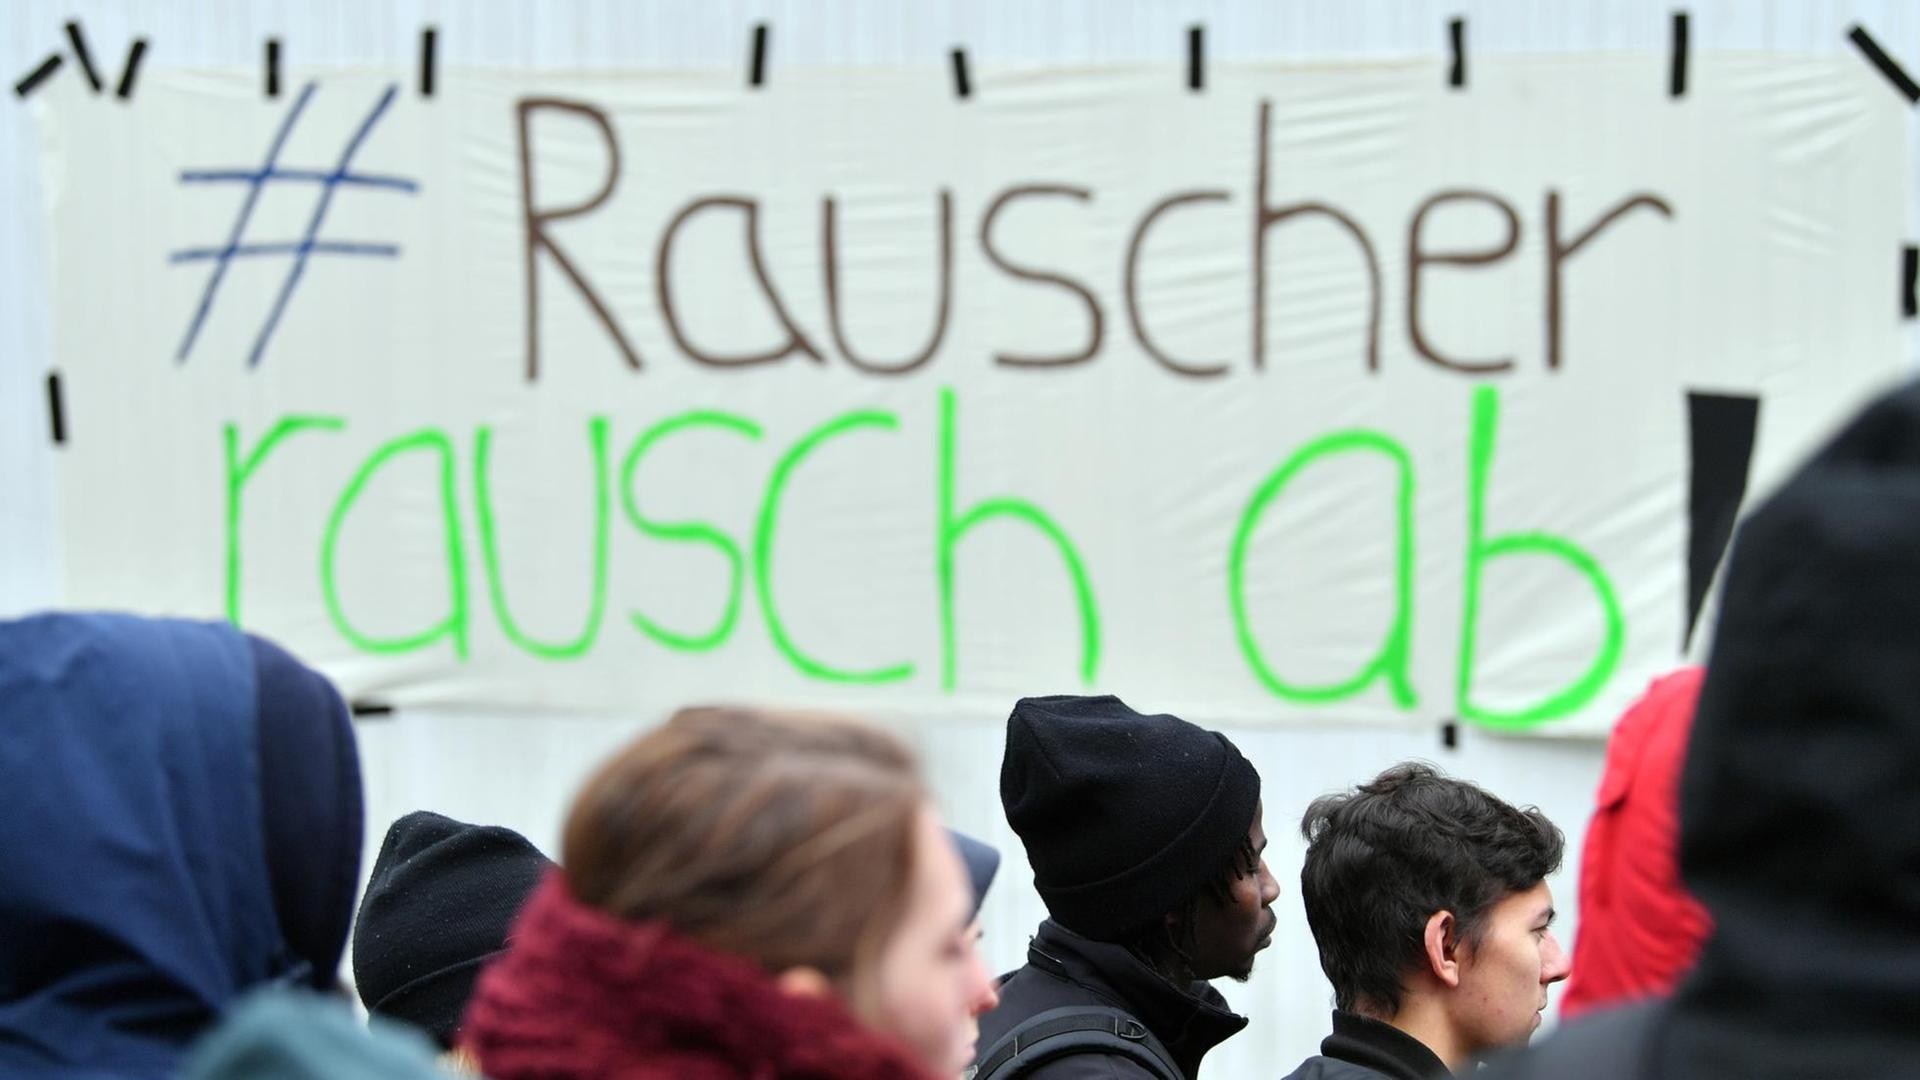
x,y
1328,392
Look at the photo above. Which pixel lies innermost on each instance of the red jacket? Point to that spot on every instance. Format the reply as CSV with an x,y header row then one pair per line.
x,y
583,995
1639,928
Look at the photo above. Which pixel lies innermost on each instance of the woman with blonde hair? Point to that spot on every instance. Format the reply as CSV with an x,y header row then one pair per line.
x,y
742,894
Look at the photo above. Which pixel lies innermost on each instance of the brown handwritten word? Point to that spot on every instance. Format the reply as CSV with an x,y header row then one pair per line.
x,y
1267,219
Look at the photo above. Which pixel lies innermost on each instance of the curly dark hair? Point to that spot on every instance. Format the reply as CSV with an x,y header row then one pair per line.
x,y
1384,857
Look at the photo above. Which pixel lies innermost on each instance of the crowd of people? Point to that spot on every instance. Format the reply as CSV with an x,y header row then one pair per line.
x,y
757,894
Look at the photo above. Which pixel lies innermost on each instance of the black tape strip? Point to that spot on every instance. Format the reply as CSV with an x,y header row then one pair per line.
x,y
1721,428
428,42
962,88
1450,735
37,76
1196,57
132,68
1677,80
1910,281
273,67
363,709
1457,33
56,409
1878,58
757,71
80,53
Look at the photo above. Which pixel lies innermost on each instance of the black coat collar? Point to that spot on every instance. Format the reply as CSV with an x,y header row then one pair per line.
x,y
1190,1020
1376,1045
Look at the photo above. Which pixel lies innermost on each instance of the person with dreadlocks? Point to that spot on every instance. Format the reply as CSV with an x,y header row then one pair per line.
x,y
1145,837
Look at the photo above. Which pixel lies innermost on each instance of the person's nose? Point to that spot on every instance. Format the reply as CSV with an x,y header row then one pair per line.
x,y
989,998
983,989
1555,964
1269,886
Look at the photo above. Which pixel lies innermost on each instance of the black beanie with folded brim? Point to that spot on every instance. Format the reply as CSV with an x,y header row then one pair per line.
x,y
1124,815
440,903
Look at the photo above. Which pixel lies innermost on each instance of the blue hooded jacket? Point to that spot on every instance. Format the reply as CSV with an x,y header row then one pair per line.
x,y
180,817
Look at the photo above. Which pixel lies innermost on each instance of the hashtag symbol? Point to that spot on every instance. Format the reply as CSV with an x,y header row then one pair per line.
x,y
308,245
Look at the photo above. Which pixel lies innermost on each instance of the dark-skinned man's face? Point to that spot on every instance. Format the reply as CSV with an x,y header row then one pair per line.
x,y
1226,936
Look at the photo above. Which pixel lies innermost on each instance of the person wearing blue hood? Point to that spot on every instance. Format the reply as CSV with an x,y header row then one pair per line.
x,y
1799,795
180,816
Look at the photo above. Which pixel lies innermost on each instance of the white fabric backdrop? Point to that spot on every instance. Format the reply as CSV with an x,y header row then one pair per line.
x,y
1400,427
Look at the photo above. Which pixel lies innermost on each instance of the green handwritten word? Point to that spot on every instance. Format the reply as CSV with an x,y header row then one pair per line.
x,y
954,524
1389,665
1391,662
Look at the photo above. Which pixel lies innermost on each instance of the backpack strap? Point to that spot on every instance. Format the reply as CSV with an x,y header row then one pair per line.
x,y
1070,1031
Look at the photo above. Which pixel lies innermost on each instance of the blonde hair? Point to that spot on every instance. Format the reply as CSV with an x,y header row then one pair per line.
x,y
787,838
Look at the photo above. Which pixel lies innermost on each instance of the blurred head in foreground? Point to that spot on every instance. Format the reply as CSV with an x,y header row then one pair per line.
x,y
768,890
179,822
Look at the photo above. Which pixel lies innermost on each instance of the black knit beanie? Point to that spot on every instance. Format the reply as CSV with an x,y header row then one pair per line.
x,y
1123,816
439,904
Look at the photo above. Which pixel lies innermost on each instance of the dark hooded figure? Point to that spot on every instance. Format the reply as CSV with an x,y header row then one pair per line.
x,y
1800,796
179,821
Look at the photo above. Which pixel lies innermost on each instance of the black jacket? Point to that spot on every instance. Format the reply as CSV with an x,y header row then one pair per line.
x,y
1065,969
1800,795
1362,1048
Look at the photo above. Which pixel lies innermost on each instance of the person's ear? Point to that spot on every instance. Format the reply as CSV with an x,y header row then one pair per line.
x,y
1172,924
804,982
1442,948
